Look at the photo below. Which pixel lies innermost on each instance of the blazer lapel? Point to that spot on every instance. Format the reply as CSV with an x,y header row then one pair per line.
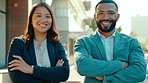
x,y
116,43
95,37
51,53
32,53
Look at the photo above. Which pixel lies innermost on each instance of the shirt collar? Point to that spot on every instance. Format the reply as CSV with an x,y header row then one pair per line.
x,y
113,35
40,45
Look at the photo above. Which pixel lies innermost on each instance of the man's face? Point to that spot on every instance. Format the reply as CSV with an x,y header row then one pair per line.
x,y
106,16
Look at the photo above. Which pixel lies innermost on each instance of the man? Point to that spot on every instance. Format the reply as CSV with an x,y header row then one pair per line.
x,y
107,55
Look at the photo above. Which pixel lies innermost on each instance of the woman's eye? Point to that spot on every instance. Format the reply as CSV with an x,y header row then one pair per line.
x,y
38,15
48,16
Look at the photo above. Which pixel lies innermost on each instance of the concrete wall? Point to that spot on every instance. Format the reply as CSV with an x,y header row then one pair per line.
x,y
4,77
139,25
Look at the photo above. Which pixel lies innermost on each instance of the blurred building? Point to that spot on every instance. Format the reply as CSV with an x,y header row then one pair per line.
x,y
2,32
72,21
70,15
139,26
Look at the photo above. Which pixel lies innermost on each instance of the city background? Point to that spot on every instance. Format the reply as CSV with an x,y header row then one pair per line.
x,y
74,18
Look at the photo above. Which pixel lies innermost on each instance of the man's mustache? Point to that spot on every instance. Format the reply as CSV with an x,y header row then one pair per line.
x,y
106,20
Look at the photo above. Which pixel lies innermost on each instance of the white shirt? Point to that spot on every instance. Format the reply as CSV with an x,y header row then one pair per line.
x,y
41,53
108,44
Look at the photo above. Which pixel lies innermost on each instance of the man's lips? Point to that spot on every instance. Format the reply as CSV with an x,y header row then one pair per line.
x,y
105,23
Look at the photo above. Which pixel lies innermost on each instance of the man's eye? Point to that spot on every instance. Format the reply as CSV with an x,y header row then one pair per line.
x,y
112,13
99,13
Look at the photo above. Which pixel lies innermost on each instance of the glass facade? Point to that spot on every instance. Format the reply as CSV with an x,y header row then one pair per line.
x,y
2,33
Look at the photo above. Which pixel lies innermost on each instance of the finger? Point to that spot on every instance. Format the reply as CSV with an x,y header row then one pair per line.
x,y
18,57
61,60
14,65
14,61
62,63
14,68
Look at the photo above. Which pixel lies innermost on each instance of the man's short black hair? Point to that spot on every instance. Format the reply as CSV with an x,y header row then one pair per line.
x,y
107,1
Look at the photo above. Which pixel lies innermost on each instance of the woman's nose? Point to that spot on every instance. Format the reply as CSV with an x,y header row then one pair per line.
x,y
43,18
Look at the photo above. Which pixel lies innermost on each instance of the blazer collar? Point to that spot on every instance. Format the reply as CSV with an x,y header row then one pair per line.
x,y
32,52
116,43
51,53
96,38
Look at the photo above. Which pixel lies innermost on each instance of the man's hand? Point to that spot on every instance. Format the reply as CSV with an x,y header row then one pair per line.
x,y
124,65
101,78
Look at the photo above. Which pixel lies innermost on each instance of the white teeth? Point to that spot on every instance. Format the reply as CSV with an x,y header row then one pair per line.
x,y
106,23
43,25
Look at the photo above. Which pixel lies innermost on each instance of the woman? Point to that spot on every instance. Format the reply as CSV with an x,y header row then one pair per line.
x,y
38,56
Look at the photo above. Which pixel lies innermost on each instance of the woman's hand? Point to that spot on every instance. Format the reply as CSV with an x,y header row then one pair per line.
x,y
20,64
60,62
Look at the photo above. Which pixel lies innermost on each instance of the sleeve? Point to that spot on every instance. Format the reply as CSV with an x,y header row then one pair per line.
x,y
17,76
57,73
135,72
91,67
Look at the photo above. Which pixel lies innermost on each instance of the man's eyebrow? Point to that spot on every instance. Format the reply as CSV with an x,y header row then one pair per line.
x,y
111,11
99,11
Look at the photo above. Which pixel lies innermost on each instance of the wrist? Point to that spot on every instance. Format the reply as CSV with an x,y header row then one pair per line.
x,y
31,70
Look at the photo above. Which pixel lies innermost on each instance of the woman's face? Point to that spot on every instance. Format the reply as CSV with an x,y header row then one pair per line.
x,y
41,20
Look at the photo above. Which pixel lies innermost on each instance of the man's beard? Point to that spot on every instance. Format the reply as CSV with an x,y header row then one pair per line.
x,y
106,28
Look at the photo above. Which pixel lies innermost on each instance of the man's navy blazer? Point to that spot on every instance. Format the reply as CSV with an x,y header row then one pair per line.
x,y
54,73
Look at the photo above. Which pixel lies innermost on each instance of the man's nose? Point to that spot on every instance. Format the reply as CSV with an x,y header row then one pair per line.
x,y
106,16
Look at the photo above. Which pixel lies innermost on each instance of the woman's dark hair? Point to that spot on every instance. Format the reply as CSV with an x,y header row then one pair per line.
x,y
52,34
